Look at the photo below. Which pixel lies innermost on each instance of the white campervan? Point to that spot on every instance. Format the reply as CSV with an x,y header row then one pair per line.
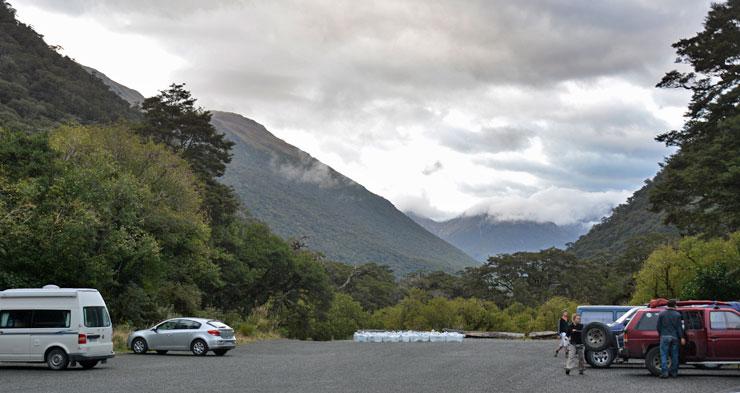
x,y
59,326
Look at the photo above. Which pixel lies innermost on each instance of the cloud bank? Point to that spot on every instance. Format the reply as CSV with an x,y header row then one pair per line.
x,y
524,102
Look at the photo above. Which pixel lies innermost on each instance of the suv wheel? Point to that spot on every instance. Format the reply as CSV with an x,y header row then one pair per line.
x,y
596,336
600,359
652,361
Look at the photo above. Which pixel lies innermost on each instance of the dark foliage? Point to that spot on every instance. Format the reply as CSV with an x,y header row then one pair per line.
x,y
700,184
40,88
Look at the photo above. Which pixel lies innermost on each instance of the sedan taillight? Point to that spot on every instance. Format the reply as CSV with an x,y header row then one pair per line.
x,y
214,332
81,338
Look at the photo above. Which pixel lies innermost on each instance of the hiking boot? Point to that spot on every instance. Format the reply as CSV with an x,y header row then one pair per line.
x,y
580,372
567,372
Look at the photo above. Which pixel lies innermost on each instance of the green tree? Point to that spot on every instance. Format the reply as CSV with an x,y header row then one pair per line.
x,y
373,286
694,267
107,211
699,184
171,118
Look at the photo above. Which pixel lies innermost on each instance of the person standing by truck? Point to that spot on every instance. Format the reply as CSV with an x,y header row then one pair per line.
x,y
562,329
670,330
575,348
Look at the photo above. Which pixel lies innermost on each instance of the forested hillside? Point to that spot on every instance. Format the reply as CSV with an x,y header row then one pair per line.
x,y
40,88
481,236
304,199
629,221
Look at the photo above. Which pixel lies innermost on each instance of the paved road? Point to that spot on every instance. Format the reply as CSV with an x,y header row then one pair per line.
x,y
294,366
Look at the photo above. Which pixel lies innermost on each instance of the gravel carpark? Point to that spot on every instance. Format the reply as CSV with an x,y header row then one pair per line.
x,y
344,366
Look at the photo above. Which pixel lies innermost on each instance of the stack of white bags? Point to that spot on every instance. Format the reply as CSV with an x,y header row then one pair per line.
x,y
408,336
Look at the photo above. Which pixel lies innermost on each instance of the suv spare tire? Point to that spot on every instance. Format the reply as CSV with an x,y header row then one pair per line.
x,y
595,336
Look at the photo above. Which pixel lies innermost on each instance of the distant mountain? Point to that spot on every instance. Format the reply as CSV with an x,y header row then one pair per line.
x,y
300,197
297,196
40,89
481,236
133,97
627,221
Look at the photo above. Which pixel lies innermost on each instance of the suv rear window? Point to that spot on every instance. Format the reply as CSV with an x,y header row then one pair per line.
x,y
722,320
96,316
649,321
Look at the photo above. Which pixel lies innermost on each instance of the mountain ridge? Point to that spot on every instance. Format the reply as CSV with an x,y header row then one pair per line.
x,y
341,218
481,236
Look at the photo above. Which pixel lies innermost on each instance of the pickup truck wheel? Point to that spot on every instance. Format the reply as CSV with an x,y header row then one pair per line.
x,y
600,359
596,336
652,361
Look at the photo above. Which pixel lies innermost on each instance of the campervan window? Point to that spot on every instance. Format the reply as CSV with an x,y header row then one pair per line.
x,y
51,318
39,319
15,319
96,317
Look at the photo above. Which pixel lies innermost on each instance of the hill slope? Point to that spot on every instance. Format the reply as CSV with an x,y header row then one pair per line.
x,y
480,236
40,88
628,220
298,196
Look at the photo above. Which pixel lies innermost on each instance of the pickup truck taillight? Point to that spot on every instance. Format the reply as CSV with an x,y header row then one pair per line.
x,y
625,337
81,338
214,332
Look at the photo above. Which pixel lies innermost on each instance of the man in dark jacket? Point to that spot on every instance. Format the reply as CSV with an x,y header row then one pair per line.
x,y
670,329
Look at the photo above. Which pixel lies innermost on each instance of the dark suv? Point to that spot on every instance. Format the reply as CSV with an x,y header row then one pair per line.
x,y
712,336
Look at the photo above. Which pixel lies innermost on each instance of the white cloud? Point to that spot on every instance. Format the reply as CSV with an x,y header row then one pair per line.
x,y
519,100
561,206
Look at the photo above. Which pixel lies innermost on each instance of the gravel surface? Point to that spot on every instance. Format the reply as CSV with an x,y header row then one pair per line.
x,y
344,366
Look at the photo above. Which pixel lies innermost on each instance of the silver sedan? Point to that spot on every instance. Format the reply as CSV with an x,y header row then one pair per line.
x,y
197,335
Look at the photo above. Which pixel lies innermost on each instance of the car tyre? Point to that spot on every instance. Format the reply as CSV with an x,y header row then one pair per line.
x,y
160,352
57,359
139,346
220,352
600,359
88,364
652,361
596,336
199,347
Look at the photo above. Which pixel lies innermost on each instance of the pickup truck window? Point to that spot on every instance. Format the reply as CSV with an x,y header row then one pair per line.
x,y
692,320
724,320
649,321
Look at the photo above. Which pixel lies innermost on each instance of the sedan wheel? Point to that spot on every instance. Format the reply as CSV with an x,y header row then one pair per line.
x,y
139,346
199,347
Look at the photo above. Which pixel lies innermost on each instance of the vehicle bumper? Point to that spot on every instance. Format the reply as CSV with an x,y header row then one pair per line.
x,y
222,344
77,357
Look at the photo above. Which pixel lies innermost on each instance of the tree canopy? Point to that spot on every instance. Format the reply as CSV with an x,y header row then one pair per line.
x,y
700,184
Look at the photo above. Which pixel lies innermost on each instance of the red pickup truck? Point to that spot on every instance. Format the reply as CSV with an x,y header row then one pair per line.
x,y
712,336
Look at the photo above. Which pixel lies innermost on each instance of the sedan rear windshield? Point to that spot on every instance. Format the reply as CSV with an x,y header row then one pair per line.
x,y
218,324
96,317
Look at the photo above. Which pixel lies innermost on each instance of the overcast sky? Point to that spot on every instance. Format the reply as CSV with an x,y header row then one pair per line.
x,y
542,110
